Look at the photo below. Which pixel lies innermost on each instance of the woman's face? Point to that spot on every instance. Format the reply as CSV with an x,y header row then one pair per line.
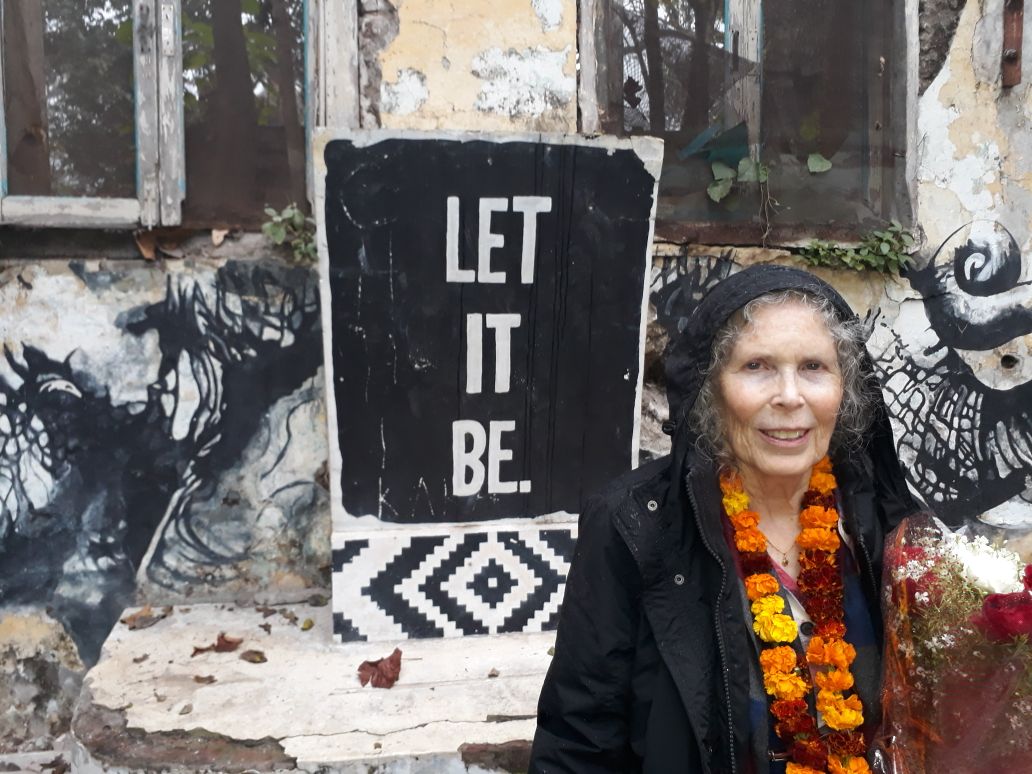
x,y
780,391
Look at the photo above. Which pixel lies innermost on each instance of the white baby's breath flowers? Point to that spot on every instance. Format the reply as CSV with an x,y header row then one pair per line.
x,y
994,570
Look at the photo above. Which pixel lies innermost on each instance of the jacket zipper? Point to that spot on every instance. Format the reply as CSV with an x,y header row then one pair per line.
x,y
872,584
716,623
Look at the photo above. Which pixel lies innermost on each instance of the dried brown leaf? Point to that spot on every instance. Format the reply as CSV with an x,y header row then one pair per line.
x,y
265,610
290,615
382,673
493,673
186,709
223,644
56,766
227,644
146,243
145,616
266,626
141,659
253,656
204,679
318,600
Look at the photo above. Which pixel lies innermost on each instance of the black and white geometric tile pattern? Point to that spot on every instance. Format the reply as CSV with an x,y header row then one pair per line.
x,y
441,582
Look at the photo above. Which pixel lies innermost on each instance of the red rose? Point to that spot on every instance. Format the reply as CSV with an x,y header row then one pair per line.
x,y
1005,616
1027,578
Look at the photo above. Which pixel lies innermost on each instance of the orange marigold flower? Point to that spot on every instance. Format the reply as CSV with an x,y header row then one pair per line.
x,y
795,768
835,680
730,481
822,482
817,539
839,713
836,653
851,765
775,628
768,605
760,585
779,659
784,686
818,516
750,540
744,519
823,465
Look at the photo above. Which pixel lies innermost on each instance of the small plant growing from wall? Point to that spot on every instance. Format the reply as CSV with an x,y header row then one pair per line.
x,y
884,250
291,227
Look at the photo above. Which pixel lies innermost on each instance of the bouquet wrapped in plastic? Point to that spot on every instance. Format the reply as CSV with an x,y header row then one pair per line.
x,y
957,690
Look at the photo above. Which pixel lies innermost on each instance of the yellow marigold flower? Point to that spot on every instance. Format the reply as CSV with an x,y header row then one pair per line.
x,y
761,585
767,605
750,540
735,502
744,519
837,680
818,516
795,768
854,764
818,539
775,627
779,659
784,686
822,482
840,714
836,653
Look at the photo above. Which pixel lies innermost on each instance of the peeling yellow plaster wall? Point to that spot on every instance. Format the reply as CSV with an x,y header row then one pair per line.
x,y
428,69
972,163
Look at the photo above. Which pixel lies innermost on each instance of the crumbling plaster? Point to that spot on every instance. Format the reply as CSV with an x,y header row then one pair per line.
x,y
460,64
974,141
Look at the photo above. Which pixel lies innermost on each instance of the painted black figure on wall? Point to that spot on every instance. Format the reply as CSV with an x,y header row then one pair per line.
x,y
97,495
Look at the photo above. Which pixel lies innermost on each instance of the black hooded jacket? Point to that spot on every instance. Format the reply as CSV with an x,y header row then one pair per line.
x,y
650,671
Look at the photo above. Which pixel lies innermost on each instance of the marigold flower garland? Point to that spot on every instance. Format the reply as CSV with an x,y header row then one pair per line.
x,y
786,675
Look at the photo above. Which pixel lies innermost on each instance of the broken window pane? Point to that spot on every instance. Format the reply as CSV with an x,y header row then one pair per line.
x,y
243,81
68,98
767,120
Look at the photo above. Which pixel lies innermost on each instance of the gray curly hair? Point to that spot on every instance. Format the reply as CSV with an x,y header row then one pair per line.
x,y
859,387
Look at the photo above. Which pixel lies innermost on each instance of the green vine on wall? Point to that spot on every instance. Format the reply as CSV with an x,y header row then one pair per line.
x,y
292,228
884,250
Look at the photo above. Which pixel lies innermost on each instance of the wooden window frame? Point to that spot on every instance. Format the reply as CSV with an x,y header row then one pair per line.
x,y
331,99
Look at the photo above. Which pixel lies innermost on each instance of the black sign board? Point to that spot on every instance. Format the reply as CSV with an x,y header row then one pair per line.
x,y
485,320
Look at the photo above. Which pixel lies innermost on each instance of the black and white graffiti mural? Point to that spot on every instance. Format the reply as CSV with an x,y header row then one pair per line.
x,y
954,363
163,445
956,371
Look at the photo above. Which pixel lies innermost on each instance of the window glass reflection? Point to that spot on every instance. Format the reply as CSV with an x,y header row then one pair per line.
x,y
68,98
243,77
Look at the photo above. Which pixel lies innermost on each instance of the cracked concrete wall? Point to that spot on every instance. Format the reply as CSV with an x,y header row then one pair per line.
x,y
462,64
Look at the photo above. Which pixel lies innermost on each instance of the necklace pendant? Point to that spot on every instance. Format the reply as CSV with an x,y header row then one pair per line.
x,y
784,560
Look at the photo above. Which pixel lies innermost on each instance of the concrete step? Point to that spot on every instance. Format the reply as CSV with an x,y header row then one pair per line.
x,y
459,705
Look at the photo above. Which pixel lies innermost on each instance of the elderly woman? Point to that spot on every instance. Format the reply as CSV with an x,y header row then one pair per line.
x,y
722,613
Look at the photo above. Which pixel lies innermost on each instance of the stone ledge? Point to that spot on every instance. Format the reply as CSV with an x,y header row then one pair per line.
x,y
460,705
